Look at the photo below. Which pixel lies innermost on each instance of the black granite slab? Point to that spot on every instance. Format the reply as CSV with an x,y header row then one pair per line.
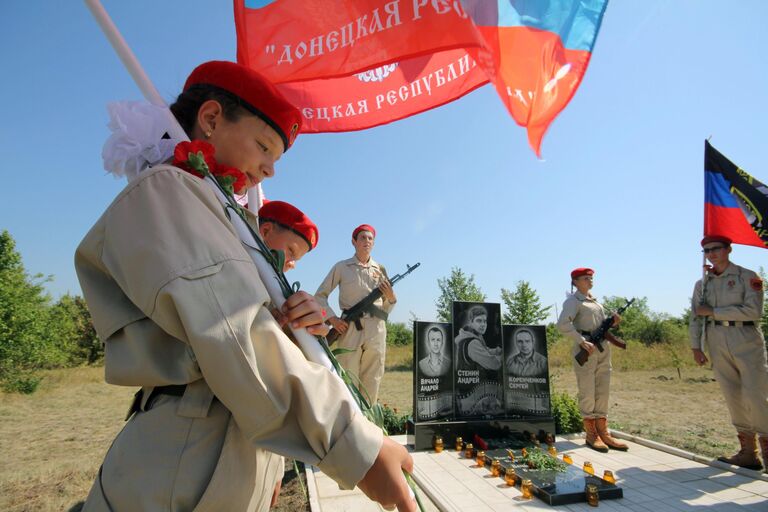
x,y
554,487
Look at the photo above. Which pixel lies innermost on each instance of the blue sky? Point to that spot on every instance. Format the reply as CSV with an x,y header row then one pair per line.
x,y
619,189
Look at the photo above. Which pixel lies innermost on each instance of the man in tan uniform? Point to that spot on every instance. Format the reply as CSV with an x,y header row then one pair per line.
x,y
731,304
356,278
581,315
185,316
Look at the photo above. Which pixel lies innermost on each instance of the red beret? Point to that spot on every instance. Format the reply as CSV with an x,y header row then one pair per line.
x,y
364,227
715,238
581,271
292,218
258,95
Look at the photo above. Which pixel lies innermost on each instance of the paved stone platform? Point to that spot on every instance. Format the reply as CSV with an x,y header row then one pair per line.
x,y
652,478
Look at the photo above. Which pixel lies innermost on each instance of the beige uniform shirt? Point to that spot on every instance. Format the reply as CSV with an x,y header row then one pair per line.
x,y
580,313
355,281
736,294
177,300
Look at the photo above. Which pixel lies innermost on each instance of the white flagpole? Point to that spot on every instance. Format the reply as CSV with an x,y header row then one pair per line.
x,y
148,89
132,64
704,277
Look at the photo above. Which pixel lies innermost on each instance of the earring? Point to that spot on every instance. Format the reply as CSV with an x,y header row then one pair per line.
x,y
208,134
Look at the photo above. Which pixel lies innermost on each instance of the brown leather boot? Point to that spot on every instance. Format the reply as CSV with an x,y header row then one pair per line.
x,y
593,440
601,424
747,456
764,449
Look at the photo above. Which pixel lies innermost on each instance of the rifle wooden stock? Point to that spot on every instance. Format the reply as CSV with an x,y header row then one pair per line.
x,y
616,342
582,356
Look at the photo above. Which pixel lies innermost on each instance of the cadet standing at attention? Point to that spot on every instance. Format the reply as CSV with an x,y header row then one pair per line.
x,y
185,316
581,315
356,278
731,306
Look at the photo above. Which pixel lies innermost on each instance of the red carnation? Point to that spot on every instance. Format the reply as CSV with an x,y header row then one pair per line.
x,y
234,176
181,156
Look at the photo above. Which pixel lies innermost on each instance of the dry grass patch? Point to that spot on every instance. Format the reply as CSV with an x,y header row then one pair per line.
x,y
399,358
53,441
689,413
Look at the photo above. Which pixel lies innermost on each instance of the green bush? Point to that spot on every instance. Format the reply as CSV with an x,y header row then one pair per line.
x,y
553,335
394,423
35,333
565,409
398,334
19,381
74,332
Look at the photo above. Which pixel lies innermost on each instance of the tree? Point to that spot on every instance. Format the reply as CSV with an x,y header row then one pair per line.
x,y
631,320
458,286
523,305
553,334
71,322
23,320
398,334
639,323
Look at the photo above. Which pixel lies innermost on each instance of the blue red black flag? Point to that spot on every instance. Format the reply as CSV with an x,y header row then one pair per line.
x,y
735,203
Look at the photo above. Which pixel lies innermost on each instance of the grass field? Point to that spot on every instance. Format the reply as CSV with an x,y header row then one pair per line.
x,y
53,441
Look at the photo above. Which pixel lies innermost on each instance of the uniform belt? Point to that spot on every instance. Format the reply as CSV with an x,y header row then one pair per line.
x,y
585,333
732,323
173,390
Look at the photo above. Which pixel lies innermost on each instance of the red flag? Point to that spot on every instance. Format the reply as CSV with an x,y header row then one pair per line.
x,y
354,65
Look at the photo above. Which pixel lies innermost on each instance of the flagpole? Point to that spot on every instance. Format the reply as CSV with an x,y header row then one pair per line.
x,y
132,65
148,89
702,300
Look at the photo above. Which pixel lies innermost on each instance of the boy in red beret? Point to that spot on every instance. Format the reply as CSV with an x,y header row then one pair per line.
x,y
286,228
730,301
356,277
581,315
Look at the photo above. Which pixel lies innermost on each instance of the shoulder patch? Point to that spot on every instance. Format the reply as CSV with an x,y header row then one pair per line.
x,y
756,283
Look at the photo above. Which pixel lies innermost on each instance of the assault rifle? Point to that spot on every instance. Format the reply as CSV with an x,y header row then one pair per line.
x,y
601,334
356,312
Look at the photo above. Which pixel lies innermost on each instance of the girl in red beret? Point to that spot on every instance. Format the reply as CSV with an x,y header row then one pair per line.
x,y
581,315
185,316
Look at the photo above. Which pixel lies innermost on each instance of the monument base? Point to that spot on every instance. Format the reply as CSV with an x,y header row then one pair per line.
x,y
513,432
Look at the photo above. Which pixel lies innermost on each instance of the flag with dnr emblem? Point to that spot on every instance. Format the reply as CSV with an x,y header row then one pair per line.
x,y
735,203
354,64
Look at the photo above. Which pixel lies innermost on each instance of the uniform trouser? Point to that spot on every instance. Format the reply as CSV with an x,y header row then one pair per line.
x,y
163,461
739,364
369,350
594,381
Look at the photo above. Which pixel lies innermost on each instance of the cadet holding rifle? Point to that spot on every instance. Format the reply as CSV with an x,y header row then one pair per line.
x,y
581,316
356,278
